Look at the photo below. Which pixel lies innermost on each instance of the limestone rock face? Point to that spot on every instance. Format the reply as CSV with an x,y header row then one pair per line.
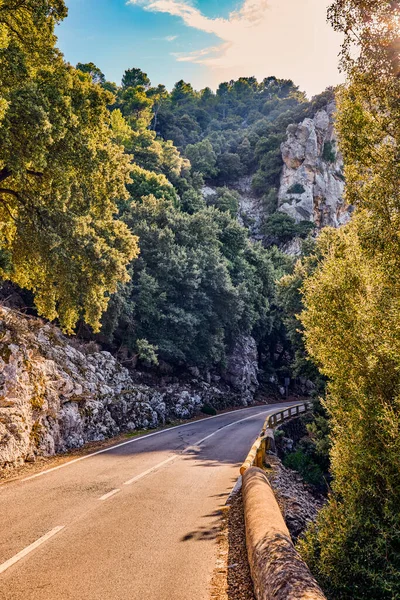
x,y
251,211
312,185
242,366
55,396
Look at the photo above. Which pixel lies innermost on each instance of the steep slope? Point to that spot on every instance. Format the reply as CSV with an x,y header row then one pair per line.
x,y
312,183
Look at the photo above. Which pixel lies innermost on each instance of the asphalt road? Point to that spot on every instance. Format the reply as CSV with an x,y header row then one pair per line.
x,y
137,521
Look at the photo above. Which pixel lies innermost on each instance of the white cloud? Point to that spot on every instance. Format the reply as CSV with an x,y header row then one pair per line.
x,y
166,38
286,38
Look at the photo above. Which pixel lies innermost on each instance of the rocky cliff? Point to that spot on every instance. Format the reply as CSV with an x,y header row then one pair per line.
x,y
56,395
312,183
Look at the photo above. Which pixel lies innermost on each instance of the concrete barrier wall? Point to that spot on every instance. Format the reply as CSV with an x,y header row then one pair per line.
x,y
278,571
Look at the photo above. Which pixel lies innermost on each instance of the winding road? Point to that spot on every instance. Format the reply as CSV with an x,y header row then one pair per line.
x,y
135,521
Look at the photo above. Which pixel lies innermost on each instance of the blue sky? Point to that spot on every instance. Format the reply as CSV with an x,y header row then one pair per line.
x,y
204,42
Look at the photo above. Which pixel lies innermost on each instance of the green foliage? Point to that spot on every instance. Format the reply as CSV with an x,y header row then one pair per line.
x,y
329,152
229,167
296,188
311,452
146,183
351,320
208,409
147,352
5,261
290,303
133,78
197,283
226,200
245,123
279,228
202,158
60,173
303,463
94,72
270,201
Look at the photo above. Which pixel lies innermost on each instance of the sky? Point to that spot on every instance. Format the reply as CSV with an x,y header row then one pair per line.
x,y
205,42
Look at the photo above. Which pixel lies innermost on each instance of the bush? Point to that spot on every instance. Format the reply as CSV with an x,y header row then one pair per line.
x,y
208,409
296,188
304,464
147,351
304,228
329,153
279,228
270,201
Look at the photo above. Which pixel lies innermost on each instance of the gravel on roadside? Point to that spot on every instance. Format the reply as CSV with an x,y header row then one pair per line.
x,y
232,579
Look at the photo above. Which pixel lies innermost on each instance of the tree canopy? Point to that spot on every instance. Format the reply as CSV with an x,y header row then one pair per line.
x,y
60,173
352,319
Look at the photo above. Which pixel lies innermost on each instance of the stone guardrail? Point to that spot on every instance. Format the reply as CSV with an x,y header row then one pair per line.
x,y
277,570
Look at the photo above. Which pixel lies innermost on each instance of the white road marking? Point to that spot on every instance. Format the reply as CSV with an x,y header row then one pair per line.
x,y
164,462
142,437
188,449
110,494
30,548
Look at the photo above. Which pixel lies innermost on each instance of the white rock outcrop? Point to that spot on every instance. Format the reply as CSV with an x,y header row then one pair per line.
x,y
242,366
55,396
312,183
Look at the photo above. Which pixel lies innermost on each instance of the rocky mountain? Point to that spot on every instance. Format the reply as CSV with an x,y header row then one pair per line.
x,y
312,182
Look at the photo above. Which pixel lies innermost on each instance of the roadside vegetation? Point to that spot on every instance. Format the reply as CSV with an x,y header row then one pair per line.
x,y
104,230
351,320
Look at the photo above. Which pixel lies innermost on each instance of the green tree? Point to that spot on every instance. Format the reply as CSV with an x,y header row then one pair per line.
x,y
226,200
135,78
352,319
197,284
95,73
60,173
279,228
136,106
229,167
202,158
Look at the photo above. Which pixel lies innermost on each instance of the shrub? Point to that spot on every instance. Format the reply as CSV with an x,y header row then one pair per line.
x,y
296,188
329,152
270,201
304,228
280,228
208,409
304,464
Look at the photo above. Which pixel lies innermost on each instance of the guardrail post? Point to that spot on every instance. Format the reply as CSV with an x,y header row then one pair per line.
x,y
259,461
269,441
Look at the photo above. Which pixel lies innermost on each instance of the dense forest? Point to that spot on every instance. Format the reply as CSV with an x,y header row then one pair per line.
x,y
126,227
104,229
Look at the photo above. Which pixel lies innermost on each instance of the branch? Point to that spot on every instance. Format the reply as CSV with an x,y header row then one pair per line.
x,y
34,209
4,173
8,209
35,173
10,193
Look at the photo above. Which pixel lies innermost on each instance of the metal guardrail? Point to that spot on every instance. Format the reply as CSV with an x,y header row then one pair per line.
x,y
283,415
265,440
